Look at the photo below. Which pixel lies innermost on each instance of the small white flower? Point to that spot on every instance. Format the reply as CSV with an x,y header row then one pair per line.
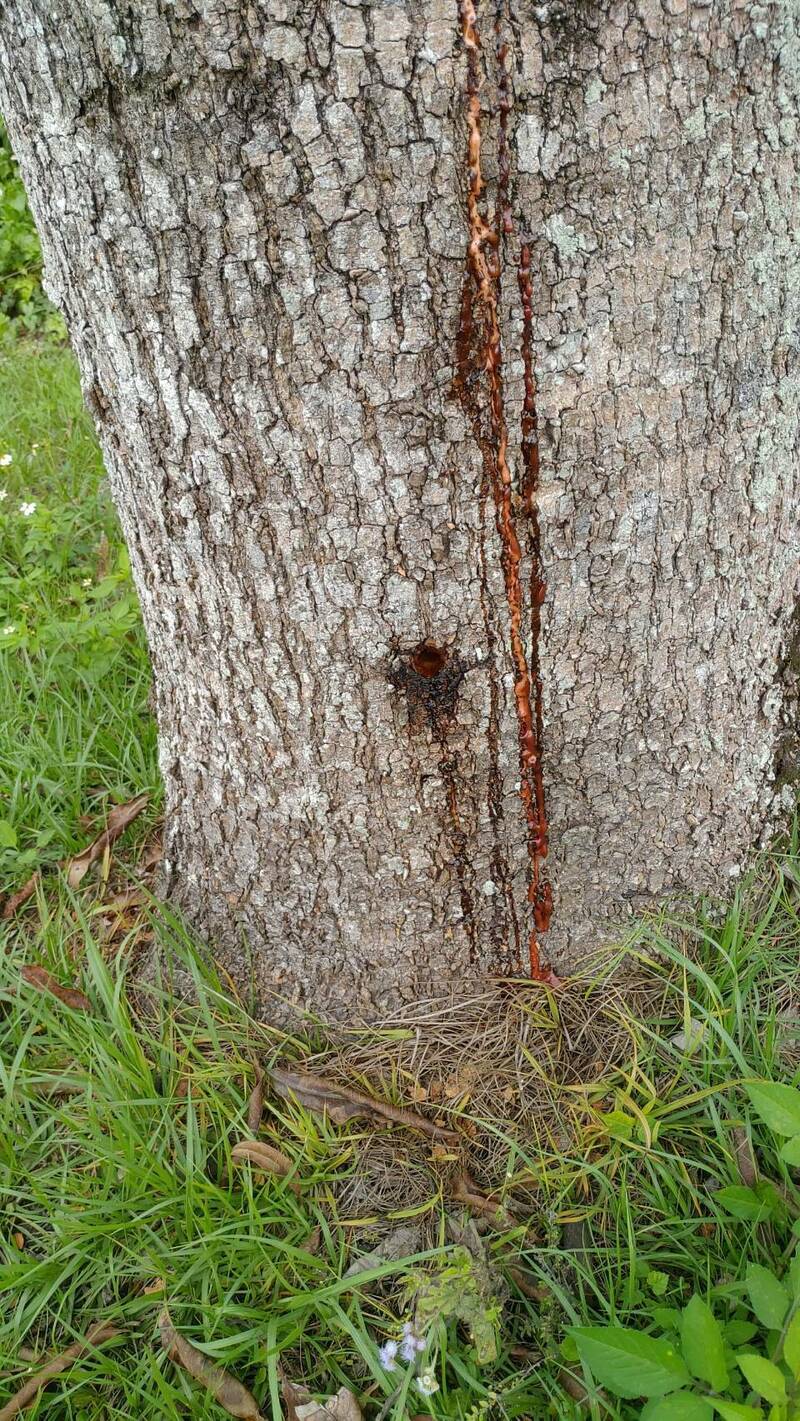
x,y
34,447
411,1344
8,631
419,1343
387,1354
3,494
87,582
427,1383
26,509
5,460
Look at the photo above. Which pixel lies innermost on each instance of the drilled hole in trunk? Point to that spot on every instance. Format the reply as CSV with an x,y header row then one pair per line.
x,y
428,660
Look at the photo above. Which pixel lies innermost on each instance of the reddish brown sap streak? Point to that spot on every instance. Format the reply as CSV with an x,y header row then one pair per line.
x,y
504,107
483,267
541,892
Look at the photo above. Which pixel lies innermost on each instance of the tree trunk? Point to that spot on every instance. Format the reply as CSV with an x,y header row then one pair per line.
x,y
255,218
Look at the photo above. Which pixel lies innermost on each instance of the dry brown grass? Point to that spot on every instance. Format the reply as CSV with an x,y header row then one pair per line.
x,y
510,1065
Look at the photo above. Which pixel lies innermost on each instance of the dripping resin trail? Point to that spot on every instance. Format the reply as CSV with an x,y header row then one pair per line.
x,y
482,290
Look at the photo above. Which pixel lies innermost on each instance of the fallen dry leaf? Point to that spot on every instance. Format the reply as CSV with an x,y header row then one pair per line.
x,y
53,1087
465,1191
300,1407
574,1386
442,1154
116,918
44,981
123,902
255,1105
152,854
341,1407
293,1395
400,1243
28,1392
743,1154
265,1158
460,1084
103,558
118,820
231,1395
16,900
527,1283
342,1104
312,1243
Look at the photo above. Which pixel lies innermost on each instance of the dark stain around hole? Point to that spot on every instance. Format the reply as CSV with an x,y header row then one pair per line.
x,y
430,677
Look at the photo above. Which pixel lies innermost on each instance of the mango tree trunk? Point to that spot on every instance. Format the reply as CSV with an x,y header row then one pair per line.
x,y
396,319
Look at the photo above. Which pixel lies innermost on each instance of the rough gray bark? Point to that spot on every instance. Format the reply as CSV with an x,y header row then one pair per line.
x,y
253,219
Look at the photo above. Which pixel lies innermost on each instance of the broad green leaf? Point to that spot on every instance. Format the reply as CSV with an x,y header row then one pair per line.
x,y
768,1297
668,1318
743,1203
657,1282
738,1332
735,1411
8,835
618,1125
630,1363
791,1346
762,1376
680,1406
702,1344
791,1151
777,1105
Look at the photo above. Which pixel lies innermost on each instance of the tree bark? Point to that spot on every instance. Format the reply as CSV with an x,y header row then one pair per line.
x,y
254,218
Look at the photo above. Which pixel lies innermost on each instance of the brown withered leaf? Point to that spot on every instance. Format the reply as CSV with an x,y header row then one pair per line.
x,y
743,1154
294,1395
312,1243
44,981
103,556
574,1386
117,822
264,1157
255,1105
116,918
527,1284
342,1104
400,1243
16,900
124,902
231,1395
465,1191
300,1406
28,1392
152,855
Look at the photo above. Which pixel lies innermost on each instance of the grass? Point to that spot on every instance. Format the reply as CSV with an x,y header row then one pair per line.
x,y
118,1192
74,674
